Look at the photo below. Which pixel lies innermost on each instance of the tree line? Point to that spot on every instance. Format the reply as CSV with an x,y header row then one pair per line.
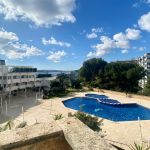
x,y
97,73
119,76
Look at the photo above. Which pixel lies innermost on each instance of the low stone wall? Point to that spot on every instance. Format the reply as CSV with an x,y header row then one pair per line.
x,y
37,137
55,143
122,94
65,134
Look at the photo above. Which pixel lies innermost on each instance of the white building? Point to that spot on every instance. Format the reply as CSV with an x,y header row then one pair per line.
x,y
14,78
144,61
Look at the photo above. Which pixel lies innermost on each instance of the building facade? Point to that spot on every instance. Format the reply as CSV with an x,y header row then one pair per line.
x,y
14,78
144,61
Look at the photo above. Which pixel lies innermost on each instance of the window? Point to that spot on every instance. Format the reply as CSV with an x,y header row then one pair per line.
x,y
9,77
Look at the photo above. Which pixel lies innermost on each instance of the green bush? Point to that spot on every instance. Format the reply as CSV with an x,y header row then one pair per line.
x,y
22,124
58,117
92,122
8,126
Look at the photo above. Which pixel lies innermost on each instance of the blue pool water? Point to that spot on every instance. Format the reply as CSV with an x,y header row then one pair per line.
x,y
126,112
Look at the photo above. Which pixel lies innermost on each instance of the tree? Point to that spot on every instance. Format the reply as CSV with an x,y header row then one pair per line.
x,y
123,76
119,76
133,75
75,83
55,83
63,80
91,68
146,90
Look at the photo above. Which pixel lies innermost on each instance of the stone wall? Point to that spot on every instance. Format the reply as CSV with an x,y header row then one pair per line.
x,y
55,143
64,134
47,136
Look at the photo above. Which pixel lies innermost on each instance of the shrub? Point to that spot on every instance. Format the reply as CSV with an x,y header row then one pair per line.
x,y
75,84
58,117
70,114
55,90
138,147
8,126
45,94
22,124
92,122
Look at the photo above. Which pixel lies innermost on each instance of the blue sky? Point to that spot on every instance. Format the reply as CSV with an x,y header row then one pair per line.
x,y
61,34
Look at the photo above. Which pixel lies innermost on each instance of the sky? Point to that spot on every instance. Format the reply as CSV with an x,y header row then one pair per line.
x,y
62,34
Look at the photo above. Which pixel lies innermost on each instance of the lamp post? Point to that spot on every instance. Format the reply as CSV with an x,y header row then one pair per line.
x,y
22,113
9,97
6,107
1,102
140,129
36,97
25,92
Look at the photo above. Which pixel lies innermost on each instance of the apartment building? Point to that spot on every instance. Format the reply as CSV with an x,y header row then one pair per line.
x,y
14,78
144,61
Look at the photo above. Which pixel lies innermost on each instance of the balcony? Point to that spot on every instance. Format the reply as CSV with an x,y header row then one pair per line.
x,y
37,84
23,86
14,88
24,79
11,88
7,89
15,80
30,79
30,85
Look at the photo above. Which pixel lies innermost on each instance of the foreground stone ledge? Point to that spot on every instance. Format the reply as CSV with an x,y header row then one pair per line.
x,y
64,134
80,137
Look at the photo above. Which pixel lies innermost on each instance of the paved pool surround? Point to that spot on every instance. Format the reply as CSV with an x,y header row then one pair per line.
x,y
43,111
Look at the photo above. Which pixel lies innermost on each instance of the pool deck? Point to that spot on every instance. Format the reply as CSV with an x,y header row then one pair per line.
x,y
126,132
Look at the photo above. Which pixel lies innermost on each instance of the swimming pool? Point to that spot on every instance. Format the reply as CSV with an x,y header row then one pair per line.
x,y
125,112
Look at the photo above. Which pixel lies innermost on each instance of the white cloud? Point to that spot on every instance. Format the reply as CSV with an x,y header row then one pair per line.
x,y
7,36
94,32
56,56
41,13
53,41
97,30
132,34
119,41
142,48
140,2
91,35
124,51
11,48
103,48
144,22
